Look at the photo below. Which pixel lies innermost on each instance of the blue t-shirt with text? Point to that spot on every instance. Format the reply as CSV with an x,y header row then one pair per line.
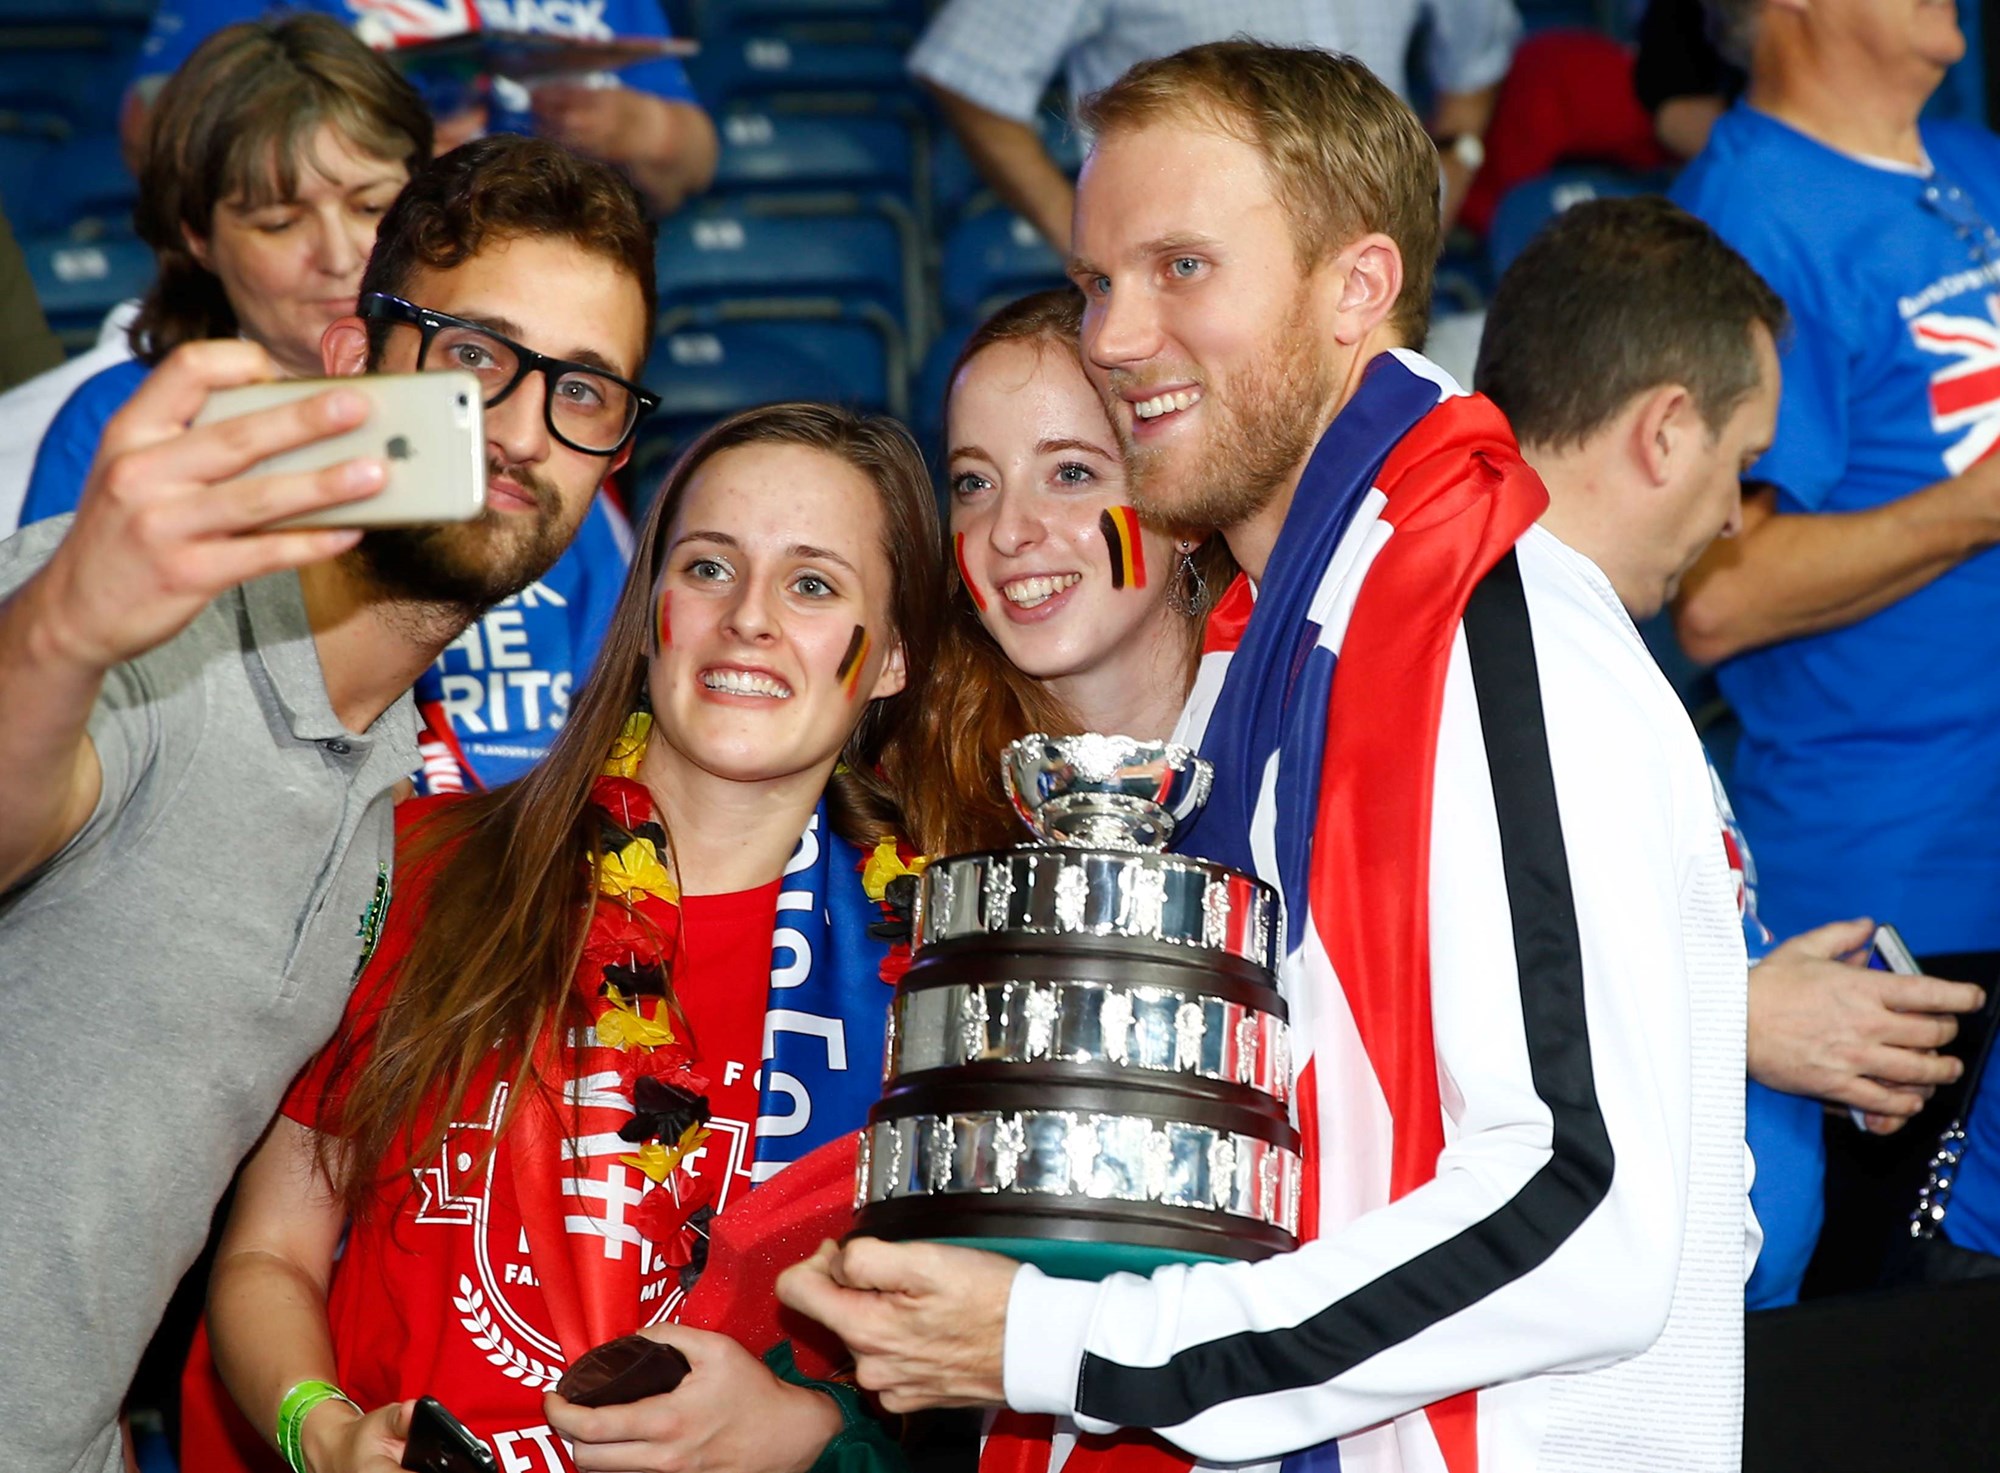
x,y
181,25
1870,763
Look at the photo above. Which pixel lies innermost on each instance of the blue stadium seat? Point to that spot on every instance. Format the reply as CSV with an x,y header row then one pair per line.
x,y
78,282
713,366
891,19
85,180
993,258
777,151
1526,208
736,250
22,157
733,69
79,77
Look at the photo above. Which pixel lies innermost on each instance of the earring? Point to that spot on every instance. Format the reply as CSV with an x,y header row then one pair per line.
x,y
1188,595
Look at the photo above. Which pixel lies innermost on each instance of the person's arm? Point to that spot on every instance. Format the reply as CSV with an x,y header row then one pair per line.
x,y
167,523
267,1307
1010,156
1830,1028
1679,77
1470,46
988,64
1458,115
667,146
1557,1067
1790,574
1682,124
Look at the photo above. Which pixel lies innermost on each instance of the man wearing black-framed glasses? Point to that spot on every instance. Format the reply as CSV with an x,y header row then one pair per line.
x,y
203,722
514,306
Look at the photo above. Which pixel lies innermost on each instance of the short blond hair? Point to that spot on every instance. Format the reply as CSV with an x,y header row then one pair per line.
x,y
1345,155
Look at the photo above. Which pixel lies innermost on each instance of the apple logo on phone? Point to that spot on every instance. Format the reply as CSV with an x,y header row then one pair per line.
x,y
398,448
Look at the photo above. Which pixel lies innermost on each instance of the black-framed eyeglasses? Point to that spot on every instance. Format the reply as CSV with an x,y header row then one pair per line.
x,y
586,408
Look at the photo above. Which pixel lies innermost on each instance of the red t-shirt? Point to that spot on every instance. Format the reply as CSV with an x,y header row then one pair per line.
x,y
436,1291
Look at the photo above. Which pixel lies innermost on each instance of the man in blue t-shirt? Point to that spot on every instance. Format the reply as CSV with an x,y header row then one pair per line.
x,y
645,119
1856,616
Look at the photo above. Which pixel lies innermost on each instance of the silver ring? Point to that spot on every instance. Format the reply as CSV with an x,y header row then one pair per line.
x,y
1165,1030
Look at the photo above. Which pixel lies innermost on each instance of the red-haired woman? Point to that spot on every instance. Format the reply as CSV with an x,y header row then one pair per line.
x,y
1068,614
613,997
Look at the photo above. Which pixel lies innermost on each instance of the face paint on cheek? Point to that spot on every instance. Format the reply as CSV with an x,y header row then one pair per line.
x,y
663,622
853,660
1120,526
958,547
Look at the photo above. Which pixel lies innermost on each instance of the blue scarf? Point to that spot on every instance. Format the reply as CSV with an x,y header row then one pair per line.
x,y
826,1021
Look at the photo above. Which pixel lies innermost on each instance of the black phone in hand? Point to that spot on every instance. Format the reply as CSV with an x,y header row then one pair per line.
x,y
440,1443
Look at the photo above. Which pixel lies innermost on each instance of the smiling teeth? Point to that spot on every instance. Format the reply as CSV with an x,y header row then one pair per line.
x,y
1028,592
1161,404
744,683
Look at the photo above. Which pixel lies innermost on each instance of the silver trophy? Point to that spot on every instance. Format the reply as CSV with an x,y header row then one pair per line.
x,y
1088,1062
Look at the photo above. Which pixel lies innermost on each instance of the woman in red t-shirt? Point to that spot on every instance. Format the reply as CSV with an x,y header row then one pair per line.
x,y
548,1084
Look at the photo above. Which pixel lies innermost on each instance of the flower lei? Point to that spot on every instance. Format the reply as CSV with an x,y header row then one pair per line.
x,y
633,936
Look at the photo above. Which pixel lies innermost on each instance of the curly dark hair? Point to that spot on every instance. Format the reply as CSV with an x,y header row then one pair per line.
x,y
508,187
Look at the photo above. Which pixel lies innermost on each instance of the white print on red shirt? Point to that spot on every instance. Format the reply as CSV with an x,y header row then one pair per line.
x,y
457,1190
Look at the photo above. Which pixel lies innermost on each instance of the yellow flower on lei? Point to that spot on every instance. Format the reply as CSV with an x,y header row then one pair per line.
x,y
658,1161
630,746
624,1025
886,864
636,870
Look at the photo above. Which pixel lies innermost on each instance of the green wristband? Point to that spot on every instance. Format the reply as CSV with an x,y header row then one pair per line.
x,y
292,1413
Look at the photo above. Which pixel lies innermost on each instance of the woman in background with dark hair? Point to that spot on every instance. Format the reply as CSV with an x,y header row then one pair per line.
x,y
277,150
1067,614
554,1072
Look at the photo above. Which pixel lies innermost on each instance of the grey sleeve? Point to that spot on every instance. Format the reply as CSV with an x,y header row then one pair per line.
x,y
1002,54
1471,43
124,726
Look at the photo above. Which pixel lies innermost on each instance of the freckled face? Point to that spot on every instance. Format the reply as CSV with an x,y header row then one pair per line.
x,y
775,562
1064,576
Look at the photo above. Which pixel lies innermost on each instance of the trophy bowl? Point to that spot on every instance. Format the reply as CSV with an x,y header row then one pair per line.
x,y
1107,792
1088,1063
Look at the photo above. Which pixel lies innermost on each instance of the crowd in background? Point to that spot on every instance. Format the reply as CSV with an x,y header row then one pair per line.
x,y
1826,546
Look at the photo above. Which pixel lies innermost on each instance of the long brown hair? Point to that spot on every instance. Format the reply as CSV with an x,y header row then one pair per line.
x,y
977,700
508,901
237,121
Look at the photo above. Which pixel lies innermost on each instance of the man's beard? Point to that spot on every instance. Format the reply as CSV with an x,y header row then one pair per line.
x,y
1266,422
471,565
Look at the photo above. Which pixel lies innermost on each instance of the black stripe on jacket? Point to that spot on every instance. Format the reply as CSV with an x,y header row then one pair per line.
x,y
1520,1235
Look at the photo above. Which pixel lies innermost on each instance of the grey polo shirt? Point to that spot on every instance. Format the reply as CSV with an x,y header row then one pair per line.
x,y
161,981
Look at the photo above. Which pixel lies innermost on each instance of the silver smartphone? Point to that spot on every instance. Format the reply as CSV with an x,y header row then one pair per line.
x,y
428,429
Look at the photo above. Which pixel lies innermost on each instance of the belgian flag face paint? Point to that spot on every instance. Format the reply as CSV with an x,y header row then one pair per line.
x,y
853,660
663,628
1120,525
965,573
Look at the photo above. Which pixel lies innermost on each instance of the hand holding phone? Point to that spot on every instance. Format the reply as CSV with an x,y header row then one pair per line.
x,y
440,1443
171,515
426,429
